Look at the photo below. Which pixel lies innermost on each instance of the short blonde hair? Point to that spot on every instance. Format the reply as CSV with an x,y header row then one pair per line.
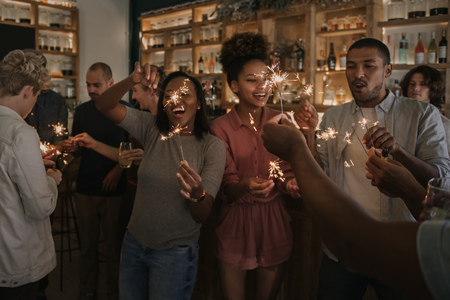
x,y
19,69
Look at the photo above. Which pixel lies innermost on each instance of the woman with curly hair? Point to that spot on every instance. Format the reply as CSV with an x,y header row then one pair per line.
x,y
425,83
254,228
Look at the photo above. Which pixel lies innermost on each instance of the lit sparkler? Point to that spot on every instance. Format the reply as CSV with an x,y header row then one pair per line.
x,y
252,121
45,147
275,170
176,130
330,133
175,96
59,129
308,90
276,79
347,137
348,164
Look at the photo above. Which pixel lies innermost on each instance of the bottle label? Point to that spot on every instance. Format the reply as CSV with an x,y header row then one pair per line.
x,y
431,59
442,51
419,58
343,62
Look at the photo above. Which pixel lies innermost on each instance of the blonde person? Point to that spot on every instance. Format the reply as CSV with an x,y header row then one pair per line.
x,y
28,192
254,227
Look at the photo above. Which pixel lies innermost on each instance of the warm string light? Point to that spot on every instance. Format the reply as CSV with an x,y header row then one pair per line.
x,y
275,170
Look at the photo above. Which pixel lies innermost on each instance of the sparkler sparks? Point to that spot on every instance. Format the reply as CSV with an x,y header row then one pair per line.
x,y
252,121
59,129
348,164
176,130
45,147
330,133
308,90
347,137
275,170
175,96
276,79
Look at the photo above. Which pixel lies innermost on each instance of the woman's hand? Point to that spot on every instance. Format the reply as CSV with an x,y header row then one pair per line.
x,y
292,188
85,140
190,182
146,75
258,187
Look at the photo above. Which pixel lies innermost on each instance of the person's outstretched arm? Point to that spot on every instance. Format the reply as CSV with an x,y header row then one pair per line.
x,y
108,102
386,251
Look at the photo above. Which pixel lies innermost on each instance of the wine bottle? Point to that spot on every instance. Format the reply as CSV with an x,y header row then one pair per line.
x,y
217,65
200,65
396,89
343,58
331,59
443,48
403,50
432,50
211,64
300,55
419,53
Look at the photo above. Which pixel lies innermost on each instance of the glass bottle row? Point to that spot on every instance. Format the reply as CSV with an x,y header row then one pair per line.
x,y
400,9
55,42
21,14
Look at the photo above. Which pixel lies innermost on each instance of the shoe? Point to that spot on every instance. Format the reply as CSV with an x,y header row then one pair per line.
x,y
87,296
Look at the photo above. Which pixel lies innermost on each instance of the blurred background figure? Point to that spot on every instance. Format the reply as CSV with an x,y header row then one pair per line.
x,y
425,83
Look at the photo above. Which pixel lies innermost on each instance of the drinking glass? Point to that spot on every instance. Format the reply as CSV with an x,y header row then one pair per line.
x,y
437,201
124,146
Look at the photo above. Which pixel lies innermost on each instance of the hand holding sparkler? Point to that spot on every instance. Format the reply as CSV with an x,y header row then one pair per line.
x,y
70,146
84,140
190,182
258,187
306,117
380,138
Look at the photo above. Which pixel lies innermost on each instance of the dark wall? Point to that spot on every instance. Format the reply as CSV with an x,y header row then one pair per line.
x,y
137,7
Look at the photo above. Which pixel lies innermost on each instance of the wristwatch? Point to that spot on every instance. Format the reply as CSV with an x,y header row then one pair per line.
x,y
199,199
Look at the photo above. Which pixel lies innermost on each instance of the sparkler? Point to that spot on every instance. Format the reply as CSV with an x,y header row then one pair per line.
x,y
348,164
347,137
330,133
275,170
252,121
364,125
45,147
59,129
175,96
176,130
276,79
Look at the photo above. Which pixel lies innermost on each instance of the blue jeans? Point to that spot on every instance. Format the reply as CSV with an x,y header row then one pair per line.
x,y
157,274
338,283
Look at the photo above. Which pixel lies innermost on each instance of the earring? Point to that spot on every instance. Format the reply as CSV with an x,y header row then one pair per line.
x,y
198,107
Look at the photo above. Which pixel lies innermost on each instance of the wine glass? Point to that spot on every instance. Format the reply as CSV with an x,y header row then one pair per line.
x,y
124,146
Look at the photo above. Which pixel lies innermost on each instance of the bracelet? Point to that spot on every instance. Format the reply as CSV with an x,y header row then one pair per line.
x,y
199,199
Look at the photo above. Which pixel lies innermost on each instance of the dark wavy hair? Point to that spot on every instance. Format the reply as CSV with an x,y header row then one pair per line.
x,y
201,125
239,49
433,80
383,50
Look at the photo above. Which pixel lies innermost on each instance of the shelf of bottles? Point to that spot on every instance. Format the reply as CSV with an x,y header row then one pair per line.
x,y
416,34
337,30
56,37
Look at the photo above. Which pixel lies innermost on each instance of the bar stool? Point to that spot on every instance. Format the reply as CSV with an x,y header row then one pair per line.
x,y
66,192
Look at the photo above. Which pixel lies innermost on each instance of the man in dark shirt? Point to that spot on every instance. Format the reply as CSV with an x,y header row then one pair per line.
x,y
100,186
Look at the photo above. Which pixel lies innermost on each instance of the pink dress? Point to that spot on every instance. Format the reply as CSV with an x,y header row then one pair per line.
x,y
252,231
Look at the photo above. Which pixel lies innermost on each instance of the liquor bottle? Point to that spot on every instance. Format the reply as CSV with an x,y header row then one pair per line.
x,y
396,89
200,65
300,55
403,50
343,58
419,53
432,50
217,65
331,59
438,7
443,48
211,64
340,95
391,49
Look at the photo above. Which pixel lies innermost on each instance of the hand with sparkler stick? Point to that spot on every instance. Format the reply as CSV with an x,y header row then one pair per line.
x,y
390,176
306,117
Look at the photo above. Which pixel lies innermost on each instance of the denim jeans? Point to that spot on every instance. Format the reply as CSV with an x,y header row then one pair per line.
x,y
157,274
338,283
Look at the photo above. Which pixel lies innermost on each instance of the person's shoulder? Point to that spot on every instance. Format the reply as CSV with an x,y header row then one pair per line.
x,y
219,122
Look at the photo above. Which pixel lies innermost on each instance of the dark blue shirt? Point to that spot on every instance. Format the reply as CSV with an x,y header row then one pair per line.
x,y
50,109
93,166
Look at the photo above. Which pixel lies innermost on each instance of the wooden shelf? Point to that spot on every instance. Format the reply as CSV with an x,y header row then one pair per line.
x,y
342,32
415,21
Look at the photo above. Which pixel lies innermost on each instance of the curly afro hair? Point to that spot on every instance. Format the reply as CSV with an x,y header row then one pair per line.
x,y
240,49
